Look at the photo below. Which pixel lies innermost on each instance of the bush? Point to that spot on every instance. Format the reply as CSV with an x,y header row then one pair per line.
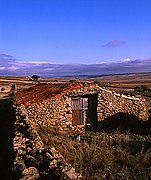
x,y
73,80
35,78
137,88
2,89
99,83
143,87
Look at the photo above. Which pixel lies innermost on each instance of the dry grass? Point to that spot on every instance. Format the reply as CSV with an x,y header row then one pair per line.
x,y
104,156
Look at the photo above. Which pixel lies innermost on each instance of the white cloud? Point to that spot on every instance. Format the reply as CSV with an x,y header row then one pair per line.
x,y
2,68
104,63
126,60
38,62
31,63
13,68
35,62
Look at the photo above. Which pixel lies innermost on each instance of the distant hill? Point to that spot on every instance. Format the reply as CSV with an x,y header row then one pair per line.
x,y
10,66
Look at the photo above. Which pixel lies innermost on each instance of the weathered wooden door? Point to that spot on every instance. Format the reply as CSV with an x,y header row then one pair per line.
x,y
79,108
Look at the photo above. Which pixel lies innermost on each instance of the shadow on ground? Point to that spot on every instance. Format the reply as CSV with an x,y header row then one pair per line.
x,y
7,120
123,122
127,123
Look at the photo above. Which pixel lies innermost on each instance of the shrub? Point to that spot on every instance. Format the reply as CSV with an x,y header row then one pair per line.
x,y
137,88
2,89
35,78
143,87
73,80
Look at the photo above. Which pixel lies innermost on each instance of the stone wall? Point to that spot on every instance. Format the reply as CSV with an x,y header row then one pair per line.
x,y
110,103
54,112
57,111
31,159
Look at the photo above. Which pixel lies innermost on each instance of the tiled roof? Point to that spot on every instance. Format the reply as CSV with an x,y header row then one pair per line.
x,y
43,91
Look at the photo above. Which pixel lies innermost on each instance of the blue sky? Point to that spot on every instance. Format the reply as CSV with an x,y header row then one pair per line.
x,y
75,31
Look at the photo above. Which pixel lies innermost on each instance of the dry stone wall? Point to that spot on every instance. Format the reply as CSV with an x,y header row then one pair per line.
x,y
110,103
31,159
57,112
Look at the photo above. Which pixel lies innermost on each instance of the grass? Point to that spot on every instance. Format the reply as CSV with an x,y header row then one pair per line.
x,y
104,156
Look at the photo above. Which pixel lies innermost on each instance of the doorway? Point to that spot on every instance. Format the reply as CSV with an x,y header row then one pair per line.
x,y
84,110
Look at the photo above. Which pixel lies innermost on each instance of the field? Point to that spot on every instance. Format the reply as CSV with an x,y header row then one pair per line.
x,y
125,82
99,154
118,82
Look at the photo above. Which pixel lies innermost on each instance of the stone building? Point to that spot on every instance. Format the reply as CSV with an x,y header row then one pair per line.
x,y
75,104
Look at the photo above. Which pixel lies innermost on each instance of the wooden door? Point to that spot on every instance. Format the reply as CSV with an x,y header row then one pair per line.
x,y
79,107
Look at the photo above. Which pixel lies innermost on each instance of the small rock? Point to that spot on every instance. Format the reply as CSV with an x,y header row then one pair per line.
x,y
71,174
19,163
53,164
57,155
30,173
49,156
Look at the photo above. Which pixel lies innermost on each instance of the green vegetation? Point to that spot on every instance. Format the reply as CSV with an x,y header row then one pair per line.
x,y
72,80
104,156
13,87
140,88
2,89
35,78
101,84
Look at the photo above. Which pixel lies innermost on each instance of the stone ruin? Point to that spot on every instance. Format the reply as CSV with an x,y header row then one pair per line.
x,y
64,106
68,105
